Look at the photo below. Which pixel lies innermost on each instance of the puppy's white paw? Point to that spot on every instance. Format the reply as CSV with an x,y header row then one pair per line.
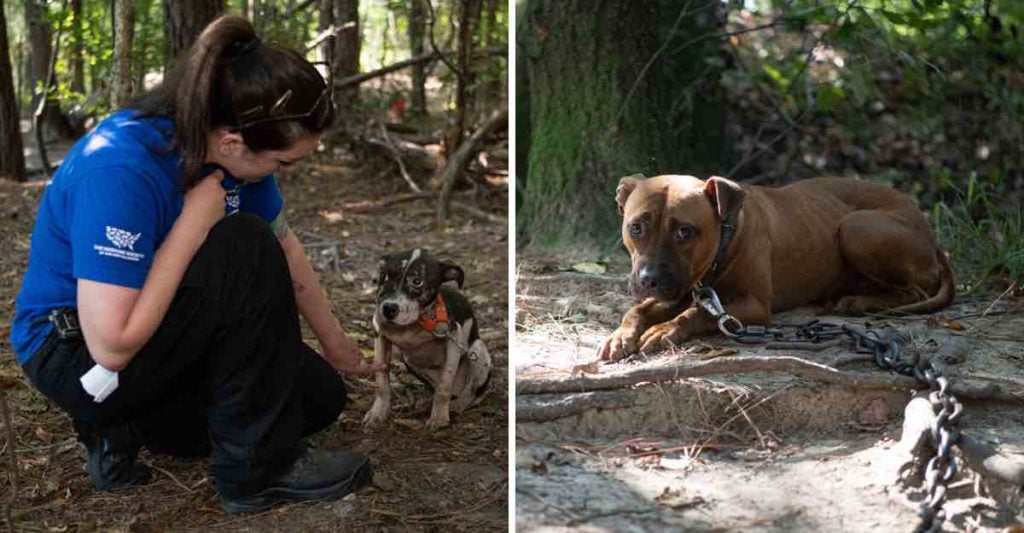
x,y
438,419
378,414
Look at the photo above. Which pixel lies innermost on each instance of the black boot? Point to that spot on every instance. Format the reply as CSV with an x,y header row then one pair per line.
x,y
112,457
315,475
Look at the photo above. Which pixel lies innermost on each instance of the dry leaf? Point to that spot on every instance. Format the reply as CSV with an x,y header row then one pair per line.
x,y
593,367
589,268
332,217
675,499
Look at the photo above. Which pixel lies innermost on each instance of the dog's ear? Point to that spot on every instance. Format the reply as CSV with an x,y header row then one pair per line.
x,y
725,195
452,272
625,188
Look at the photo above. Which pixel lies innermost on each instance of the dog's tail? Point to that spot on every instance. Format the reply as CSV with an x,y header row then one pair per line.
x,y
943,297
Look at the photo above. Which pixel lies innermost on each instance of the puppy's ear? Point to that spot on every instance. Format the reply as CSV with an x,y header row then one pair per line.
x,y
725,195
452,272
625,188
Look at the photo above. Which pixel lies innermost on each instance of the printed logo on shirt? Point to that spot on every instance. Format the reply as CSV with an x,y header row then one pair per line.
x,y
121,238
233,202
124,242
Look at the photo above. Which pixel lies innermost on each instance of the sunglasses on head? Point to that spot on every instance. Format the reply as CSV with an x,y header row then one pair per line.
x,y
326,95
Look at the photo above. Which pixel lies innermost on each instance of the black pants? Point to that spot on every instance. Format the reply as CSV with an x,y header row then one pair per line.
x,y
226,373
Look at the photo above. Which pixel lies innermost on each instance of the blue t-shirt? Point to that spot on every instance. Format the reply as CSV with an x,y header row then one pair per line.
x,y
109,207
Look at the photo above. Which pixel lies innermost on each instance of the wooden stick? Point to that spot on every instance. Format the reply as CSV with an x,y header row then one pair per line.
x,y
422,58
769,364
398,157
458,161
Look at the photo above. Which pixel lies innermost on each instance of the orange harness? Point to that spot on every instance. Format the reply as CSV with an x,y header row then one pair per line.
x,y
437,325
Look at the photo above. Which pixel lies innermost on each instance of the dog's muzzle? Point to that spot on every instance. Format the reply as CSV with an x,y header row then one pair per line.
x,y
660,283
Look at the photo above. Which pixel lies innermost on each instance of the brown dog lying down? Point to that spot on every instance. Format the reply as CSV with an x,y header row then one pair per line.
x,y
863,246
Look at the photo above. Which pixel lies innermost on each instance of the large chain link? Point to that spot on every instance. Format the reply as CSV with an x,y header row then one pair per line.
x,y
941,468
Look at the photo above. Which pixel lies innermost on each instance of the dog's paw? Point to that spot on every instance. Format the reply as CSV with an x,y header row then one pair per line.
x,y
663,336
621,343
437,421
377,415
852,305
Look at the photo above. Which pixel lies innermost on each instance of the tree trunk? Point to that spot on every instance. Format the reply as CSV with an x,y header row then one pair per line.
x,y
77,61
184,20
466,9
124,31
609,95
326,10
40,34
417,23
12,156
346,52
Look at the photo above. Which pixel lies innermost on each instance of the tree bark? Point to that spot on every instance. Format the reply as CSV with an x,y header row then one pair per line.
x,y
184,20
417,24
40,37
347,49
326,9
76,59
12,155
604,101
466,9
124,31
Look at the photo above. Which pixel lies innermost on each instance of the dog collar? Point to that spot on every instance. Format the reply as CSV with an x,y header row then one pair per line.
x,y
437,324
728,230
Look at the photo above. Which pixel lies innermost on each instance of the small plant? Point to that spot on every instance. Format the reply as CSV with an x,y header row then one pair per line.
x,y
985,238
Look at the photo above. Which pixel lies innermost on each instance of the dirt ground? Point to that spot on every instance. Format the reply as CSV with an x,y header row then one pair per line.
x,y
746,452
454,480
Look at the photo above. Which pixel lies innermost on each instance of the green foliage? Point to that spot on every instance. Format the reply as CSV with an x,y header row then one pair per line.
x,y
927,88
985,240
923,95
383,25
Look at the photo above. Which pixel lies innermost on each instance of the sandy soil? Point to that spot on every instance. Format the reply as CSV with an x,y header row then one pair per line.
x,y
750,452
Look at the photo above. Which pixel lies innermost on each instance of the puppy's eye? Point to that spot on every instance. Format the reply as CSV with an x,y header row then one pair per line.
x,y
685,233
635,229
416,282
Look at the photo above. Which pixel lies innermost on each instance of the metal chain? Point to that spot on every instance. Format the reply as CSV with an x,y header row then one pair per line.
x,y
941,468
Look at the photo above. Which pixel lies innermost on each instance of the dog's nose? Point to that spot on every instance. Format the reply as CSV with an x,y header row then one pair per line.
x,y
390,310
648,278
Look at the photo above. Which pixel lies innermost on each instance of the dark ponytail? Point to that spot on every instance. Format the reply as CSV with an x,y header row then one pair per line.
x,y
229,78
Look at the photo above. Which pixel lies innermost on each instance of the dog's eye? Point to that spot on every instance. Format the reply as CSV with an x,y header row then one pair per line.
x,y
416,282
685,233
636,229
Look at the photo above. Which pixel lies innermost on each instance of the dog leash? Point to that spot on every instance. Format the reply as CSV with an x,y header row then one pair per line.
x,y
941,468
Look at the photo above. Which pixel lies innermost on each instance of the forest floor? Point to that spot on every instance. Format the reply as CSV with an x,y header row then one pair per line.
x,y
751,451
453,480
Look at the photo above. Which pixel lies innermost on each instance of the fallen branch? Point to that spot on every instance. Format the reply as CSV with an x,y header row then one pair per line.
x,y
550,407
458,161
477,213
398,158
770,364
365,206
370,205
357,79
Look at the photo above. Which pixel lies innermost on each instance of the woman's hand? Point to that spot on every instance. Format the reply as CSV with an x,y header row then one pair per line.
x,y
204,202
346,358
